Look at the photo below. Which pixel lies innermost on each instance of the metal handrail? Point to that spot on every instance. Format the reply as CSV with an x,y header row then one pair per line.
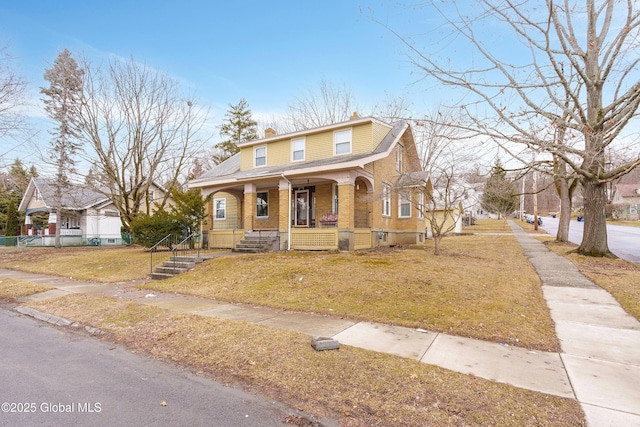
x,y
154,249
186,246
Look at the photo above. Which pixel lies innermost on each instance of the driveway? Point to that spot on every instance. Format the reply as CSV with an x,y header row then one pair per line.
x,y
623,241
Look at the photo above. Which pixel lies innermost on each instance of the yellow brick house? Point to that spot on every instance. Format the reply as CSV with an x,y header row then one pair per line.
x,y
346,186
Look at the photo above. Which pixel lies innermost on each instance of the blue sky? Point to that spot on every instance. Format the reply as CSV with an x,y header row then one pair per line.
x,y
266,52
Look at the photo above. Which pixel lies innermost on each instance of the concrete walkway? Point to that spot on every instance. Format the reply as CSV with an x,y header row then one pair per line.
x,y
599,365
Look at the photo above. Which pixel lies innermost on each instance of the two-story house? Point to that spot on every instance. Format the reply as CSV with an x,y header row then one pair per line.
x,y
345,186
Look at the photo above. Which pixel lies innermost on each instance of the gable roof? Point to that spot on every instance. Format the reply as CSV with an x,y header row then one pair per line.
x,y
76,197
229,170
628,190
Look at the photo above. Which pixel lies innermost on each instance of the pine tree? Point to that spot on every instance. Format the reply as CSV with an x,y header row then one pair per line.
x,y
238,127
499,196
61,104
12,227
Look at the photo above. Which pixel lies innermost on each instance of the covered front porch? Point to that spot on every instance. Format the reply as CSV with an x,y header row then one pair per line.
x,y
330,211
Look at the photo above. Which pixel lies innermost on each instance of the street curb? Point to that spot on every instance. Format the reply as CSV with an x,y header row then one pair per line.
x,y
45,317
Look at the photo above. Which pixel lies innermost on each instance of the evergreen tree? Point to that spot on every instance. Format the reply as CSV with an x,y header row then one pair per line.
x,y
499,195
238,127
61,104
12,227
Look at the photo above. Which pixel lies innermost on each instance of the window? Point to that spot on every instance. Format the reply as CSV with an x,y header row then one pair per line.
x,y
262,205
260,156
404,205
342,141
38,195
297,149
220,206
386,200
334,197
421,205
151,196
399,154
109,212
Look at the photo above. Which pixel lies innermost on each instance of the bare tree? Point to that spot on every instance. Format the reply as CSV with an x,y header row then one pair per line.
x,y
327,104
12,99
583,52
142,131
61,102
446,157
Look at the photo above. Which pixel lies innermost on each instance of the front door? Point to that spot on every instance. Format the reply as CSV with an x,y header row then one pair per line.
x,y
301,209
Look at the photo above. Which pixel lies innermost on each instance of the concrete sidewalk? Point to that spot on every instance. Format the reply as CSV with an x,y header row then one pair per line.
x,y
600,363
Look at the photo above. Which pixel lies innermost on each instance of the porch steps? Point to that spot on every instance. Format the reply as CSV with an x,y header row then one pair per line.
x,y
175,266
257,242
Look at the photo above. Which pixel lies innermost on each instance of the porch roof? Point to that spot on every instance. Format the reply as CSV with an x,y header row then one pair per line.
x,y
229,171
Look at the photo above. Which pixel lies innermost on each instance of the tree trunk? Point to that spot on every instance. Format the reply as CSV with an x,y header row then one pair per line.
x,y
565,211
436,240
594,239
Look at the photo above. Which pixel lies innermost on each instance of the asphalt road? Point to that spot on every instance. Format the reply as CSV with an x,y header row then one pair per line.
x,y
623,241
53,376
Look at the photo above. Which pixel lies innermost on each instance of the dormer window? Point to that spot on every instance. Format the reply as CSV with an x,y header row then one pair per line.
x,y
297,149
260,156
342,142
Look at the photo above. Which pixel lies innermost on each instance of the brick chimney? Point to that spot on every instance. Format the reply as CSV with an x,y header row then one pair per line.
x,y
354,116
269,132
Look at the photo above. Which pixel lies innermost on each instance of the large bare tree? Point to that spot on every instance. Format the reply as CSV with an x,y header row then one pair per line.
x,y
142,131
570,64
12,100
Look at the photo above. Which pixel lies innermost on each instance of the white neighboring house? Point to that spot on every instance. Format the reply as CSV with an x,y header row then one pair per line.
x,y
88,217
627,198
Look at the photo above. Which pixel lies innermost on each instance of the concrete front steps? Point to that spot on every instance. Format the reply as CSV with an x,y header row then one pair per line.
x,y
176,265
258,241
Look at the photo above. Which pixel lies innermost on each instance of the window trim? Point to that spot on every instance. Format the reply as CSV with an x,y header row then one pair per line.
x,y
336,134
386,200
267,205
407,200
255,156
303,140
215,209
421,205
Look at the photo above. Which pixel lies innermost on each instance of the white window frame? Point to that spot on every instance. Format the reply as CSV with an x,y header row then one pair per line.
x,y
255,156
386,200
403,200
399,158
267,206
295,148
335,203
342,138
421,205
223,208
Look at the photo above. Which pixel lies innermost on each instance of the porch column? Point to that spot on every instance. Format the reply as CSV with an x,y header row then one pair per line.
x,y
346,212
249,206
284,213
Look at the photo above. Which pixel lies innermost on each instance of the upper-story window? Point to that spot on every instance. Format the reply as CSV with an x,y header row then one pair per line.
x,y
399,154
342,141
260,156
297,149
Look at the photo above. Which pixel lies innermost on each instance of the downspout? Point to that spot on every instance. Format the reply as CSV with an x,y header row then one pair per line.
x,y
288,212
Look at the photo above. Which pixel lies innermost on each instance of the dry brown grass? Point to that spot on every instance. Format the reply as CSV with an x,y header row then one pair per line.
x,y
618,277
358,387
100,264
12,289
480,287
488,226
